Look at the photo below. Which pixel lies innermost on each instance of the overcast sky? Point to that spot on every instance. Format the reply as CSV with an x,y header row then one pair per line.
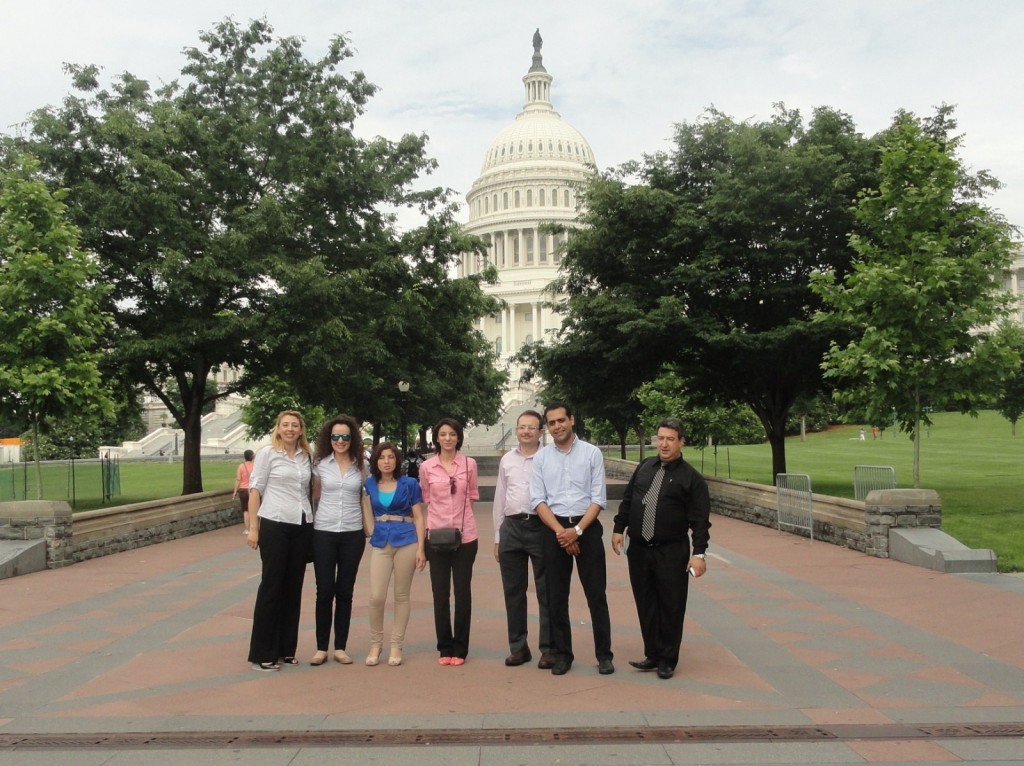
x,y
624,71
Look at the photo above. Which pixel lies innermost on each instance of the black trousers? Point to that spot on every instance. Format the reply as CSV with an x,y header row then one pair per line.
x,y
522,543
446,569
593,576
336,557
284,549
660,586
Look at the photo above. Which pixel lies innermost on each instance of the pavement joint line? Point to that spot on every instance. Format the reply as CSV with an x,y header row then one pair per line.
x,y
888,732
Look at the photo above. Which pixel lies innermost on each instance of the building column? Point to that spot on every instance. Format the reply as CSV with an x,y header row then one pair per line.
x,y
512,343
505,329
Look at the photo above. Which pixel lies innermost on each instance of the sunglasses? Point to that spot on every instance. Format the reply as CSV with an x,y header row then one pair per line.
x,y
343,437
451,484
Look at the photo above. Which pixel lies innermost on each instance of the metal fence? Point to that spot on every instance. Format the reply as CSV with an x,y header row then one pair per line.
x,y
795,501
62,480
870,477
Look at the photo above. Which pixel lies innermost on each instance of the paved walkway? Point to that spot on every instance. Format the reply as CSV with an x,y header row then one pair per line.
x,y
794,652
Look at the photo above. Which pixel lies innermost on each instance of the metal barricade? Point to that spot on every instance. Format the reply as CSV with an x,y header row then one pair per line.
x,y
795,501
869,477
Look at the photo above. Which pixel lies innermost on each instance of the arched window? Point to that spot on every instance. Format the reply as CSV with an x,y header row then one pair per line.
x,y
497,345
540,200
516,203
529,197
504,203
567,202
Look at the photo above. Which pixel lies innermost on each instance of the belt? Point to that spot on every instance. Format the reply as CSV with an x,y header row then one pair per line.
x,y
521,516
392,517
568,521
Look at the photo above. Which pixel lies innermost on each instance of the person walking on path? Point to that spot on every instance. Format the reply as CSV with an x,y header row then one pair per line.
x,y
665,501
568,491
449,484
338,537
396,546
281,528
519,541
242,474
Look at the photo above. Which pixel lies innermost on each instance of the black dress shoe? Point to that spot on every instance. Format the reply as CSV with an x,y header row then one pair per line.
x,y
605,667
665,671
546,661
561,667
518,658
645,664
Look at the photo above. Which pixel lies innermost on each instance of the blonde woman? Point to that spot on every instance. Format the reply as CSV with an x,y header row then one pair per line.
x,y
281,527
396,546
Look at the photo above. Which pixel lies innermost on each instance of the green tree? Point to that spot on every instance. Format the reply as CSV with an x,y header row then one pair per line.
x,y
51,323
211,202
923,286
702,261
1010,400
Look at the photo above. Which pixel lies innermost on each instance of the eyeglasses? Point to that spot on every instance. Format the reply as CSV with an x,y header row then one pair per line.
x,y
343,437
451,484
528,428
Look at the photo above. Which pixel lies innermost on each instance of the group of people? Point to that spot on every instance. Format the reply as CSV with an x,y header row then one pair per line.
x,y
321,506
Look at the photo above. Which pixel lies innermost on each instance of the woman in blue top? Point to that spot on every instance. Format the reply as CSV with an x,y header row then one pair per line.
x,y
396,546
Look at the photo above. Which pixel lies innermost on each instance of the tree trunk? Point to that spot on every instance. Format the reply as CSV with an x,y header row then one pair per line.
x,y
623,433
192,464
917,440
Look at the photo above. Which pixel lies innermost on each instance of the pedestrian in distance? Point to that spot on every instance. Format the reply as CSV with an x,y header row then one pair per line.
x,y
242,474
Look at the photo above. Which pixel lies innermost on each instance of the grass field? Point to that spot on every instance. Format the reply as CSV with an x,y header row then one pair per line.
x,y
974,464
139,481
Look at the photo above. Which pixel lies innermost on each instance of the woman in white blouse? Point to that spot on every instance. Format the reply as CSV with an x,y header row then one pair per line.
x,y
338,537
280,526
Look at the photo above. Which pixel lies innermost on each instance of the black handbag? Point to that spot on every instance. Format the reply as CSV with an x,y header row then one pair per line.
x,y
444,540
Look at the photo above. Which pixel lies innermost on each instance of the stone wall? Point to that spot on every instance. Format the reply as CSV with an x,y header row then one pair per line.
x,y
70,538
862,526
122,528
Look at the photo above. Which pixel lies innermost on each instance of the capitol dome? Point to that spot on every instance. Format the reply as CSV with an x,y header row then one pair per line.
x,y
531,178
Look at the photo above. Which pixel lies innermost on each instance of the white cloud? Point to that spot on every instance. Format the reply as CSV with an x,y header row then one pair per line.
x,y
624,72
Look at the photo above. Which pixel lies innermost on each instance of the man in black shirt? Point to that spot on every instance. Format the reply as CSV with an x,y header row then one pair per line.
x,y
665,502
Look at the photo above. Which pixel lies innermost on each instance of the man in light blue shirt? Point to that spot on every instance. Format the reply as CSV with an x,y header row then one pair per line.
x,y
568,492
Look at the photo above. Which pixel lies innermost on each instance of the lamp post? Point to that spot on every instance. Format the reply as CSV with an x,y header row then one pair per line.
x,y
403,389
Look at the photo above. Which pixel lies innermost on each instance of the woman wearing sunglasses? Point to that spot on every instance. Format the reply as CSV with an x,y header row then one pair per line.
x,y
448,481
279,526
396,546
338,537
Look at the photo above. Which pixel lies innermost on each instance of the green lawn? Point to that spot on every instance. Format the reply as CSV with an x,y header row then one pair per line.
x,y
139,482
974,464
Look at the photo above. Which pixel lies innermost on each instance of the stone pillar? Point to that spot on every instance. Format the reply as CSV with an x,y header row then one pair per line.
x,y
40,520
885,509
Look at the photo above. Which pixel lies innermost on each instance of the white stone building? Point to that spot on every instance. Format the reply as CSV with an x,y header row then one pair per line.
x,y
531,175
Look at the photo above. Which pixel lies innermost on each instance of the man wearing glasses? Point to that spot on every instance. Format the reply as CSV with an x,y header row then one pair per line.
x,y
568,492
518,542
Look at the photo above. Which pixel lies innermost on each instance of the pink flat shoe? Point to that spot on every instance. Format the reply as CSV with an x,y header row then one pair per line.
x,y
444,661
456,661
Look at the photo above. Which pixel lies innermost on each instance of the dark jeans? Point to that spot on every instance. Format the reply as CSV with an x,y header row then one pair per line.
x,y
275,619
593,575
660,586
446,568
336,557
522,542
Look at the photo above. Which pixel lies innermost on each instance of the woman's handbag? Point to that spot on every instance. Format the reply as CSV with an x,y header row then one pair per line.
x,y
444,540
368,520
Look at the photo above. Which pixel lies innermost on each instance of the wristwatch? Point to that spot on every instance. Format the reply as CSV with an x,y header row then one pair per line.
x,y
701,556
579,532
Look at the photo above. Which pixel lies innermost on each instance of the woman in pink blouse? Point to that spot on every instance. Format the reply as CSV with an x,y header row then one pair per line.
x,y
448,482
